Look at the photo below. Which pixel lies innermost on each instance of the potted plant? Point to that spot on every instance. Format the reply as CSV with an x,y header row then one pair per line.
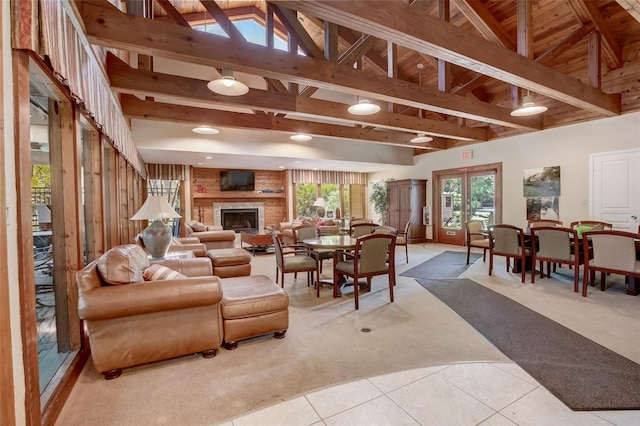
x,y
378,198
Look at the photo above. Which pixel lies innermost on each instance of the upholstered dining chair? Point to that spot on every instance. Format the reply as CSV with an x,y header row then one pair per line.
x,y
369,259
401,239
477,237
306,232
294,259
543,222
508,241
553,244
614,252
360,229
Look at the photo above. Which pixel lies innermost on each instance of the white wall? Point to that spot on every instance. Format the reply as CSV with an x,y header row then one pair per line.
x,y
568,147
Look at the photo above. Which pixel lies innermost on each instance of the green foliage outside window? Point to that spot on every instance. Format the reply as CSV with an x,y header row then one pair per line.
x,y
305,196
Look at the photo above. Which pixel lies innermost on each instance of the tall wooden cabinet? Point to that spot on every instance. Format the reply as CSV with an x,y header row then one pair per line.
x,y
405,200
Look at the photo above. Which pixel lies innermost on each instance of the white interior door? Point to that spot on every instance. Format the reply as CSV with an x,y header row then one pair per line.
x,y
614,184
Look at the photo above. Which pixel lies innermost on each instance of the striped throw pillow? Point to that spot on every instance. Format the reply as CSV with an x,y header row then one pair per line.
x,y
158,272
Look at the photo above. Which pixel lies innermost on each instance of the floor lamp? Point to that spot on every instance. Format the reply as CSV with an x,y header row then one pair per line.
x,y
157,236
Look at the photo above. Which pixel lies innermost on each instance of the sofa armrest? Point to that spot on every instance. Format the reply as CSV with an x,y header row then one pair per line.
x,y
191,267
108,302
198,249
285,225
189,240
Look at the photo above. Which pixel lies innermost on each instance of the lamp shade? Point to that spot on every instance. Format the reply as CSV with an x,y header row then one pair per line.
x,y
320,202
157,236
228,85
363,107
155,207
528,107
421,138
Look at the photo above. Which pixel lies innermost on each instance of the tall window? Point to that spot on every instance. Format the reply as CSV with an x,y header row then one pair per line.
x,y
337,197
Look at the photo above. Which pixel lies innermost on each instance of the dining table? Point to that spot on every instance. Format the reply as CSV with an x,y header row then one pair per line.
x,y
332,242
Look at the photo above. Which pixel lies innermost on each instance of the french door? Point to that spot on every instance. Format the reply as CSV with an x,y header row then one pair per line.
x,y
466,194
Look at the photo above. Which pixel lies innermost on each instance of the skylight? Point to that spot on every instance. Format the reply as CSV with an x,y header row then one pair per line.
x,y
252,30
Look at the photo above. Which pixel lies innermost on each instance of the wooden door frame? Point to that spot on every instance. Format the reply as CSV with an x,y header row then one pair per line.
x,y
436,201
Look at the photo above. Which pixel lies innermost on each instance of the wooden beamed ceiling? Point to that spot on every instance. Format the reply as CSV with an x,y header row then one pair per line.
x,y
379,52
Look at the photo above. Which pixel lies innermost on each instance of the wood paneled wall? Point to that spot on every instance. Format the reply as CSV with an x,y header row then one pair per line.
x,y
205,190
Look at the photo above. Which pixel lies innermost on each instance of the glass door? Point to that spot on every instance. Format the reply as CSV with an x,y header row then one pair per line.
x,y
465,195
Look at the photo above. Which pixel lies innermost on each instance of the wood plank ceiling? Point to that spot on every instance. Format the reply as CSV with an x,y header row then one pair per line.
x,y
453,69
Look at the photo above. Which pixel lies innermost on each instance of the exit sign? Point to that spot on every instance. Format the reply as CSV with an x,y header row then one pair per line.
x,y
467,155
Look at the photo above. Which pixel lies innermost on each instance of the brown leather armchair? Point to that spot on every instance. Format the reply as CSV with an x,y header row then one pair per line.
x,y
131,321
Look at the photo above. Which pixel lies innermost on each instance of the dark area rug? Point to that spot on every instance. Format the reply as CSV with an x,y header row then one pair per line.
x,y
581,373
448,264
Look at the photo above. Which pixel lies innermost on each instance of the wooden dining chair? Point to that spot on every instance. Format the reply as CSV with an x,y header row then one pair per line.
x,y
553,244
614,252
402,237
374,255
306,232
543,222
477,237
294,259
508,241
360,229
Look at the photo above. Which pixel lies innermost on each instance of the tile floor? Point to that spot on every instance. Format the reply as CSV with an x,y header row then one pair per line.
x,y
473,393
487,394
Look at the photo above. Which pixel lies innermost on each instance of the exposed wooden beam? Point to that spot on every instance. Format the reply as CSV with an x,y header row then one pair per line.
x,y
398,22
108,26
173,13
483,21
588,11
135,108
125,79
295,28
593,61
225,23
378,63
631,6
330,41
444,67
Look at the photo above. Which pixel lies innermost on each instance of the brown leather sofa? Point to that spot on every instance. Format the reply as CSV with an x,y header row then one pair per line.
x,y
213,236
131,321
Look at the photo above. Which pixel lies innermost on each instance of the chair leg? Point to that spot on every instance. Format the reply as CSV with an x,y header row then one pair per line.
x,y
468,253
277,273
490,262
603,278
406,252
524,269
484,255
356,291
575,278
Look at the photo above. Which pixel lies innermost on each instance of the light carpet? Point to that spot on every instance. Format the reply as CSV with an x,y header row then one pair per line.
x,y
323,347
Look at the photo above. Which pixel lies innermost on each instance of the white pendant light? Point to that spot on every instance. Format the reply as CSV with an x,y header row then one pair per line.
x,y
363,107
205,130
421,138
528,107
228,85
300,137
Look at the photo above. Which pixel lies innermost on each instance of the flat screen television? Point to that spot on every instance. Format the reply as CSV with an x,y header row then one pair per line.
x,y
237,180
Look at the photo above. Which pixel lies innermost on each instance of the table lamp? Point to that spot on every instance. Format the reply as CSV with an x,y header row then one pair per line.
x,y
157,236
320,203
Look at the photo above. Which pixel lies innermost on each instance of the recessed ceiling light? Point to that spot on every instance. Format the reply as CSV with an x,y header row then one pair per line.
x,y
208,157
205,130
300,137
421,138
281,167
296,162
315,168
199,164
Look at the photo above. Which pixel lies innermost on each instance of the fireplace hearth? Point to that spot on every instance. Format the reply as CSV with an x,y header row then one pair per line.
x,y
239,219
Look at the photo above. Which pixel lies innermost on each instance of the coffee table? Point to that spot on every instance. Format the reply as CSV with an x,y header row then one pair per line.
x,y
260,240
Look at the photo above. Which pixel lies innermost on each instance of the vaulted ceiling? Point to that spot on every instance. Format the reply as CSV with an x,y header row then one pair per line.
x,y
453,69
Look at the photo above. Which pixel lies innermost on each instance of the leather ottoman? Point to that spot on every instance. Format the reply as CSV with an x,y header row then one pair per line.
x,y
253,306
230,262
